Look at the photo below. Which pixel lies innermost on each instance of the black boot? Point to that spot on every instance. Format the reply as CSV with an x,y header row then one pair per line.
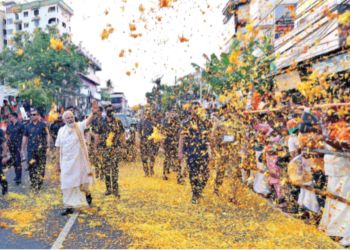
x,y
108,192
4,188
89,199
68,211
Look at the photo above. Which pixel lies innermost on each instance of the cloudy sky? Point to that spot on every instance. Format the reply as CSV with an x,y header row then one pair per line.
x,y
158,51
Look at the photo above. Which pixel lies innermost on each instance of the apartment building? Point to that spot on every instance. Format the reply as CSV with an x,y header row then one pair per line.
x,y
22,15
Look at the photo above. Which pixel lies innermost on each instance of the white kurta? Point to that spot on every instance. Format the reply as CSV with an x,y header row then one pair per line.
x,y
336,217
73,169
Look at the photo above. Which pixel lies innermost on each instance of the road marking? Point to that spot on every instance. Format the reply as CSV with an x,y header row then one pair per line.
x,y
59,241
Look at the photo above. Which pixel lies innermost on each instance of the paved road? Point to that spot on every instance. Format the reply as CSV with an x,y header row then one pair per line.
x,y
84,237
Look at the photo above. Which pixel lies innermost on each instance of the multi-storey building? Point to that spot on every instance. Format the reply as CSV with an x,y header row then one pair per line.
x,y
120,102
21,15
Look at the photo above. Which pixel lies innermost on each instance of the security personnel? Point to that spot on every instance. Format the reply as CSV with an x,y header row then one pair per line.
x,y
95,160
148,147
3,155
171,132
14,133
111,133
222,150
131,142
38,139
194,141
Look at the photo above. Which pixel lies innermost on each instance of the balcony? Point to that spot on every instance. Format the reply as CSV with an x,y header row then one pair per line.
x,y
92,60
93,78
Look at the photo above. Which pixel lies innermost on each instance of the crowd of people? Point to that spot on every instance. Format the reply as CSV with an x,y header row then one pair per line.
x,y
293,155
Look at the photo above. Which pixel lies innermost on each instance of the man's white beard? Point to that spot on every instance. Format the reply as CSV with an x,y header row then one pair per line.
x,y
71,125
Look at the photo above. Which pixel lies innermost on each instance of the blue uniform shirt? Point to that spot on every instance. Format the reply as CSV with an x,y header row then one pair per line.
x,y
37,135
15,134
195,134
2,139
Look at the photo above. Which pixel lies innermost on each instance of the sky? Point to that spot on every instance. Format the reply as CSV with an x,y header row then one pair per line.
x,y
158,52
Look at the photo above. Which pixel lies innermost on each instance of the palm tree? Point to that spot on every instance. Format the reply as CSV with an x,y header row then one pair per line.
x,y
109,84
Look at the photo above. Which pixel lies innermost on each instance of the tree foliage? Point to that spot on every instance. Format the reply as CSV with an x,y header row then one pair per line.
x,y
31,58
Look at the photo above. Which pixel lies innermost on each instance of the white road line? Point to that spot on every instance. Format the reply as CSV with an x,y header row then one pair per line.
x,y
59,241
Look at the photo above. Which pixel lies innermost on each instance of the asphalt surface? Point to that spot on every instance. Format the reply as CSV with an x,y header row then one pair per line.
x,y
80,235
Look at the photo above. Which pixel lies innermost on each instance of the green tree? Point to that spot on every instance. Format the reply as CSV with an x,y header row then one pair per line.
x,y
109,84
105,96
37,95
31,58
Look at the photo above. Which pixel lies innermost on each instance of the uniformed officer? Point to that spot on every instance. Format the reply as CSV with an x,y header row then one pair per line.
x,y
193,144
111,133
38,139
148,147
171,132
96,160
131,142
223,150
14,133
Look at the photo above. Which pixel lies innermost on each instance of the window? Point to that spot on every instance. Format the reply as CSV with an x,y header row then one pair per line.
x,y
10,21
116,100
36,12
52,20
16,16
18,27
5,42
26,25
25,14
64,24
8,10
5,32
36,23
10,32
4,21
52,9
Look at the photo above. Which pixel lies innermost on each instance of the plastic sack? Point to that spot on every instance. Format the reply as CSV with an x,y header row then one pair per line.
x,y
297,173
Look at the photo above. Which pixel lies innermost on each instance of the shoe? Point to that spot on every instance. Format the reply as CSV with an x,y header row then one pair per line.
x,y
68,211
180,181
152,173
146,175
108,193
292,210
165,178
5,191
233,201
117,195
89,199
97,176
216,191
194,200
18,183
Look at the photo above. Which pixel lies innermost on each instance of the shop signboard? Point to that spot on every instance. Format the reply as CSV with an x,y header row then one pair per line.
x,y
288,81
314,34
333,65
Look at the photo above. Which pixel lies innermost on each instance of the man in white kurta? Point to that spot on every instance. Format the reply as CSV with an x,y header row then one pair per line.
x,y
75,169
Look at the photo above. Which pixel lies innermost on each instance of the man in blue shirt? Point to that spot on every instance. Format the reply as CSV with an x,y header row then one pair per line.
x,y
148,147
194,141
14,133
38,139
3,155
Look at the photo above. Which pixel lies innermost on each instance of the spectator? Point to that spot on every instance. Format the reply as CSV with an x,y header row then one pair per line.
x,y
3,160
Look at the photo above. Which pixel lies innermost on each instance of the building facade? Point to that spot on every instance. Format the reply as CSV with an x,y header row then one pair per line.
x,y
120,102
21,15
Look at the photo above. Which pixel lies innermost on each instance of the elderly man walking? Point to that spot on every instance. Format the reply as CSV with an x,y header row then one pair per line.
x,y
73,162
